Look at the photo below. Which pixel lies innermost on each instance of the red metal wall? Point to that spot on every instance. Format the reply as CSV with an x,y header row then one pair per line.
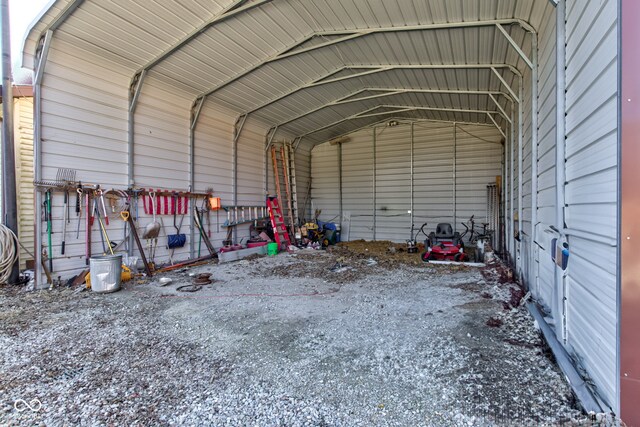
x,y
630,215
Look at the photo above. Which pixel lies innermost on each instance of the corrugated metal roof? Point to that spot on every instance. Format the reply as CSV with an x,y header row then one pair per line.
x,y
263,59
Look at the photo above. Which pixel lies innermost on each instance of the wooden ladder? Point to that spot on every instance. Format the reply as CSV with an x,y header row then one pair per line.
x,y
284,165
280,233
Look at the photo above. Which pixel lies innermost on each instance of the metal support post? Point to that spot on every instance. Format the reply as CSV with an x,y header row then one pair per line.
x,y
237,130
196,109
271,133
533,268
559,292
520,175
374,183
42,53
134,94
340,207
454,177
411,206
9,197
512,170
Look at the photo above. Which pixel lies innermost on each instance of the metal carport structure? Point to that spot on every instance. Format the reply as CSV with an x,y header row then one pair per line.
x,y
190,94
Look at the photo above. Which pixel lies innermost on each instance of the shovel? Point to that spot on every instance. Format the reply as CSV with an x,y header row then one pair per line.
x,y
176,240
152,229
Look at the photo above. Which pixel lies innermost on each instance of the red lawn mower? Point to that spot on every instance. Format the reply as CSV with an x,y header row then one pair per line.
x,y
444,245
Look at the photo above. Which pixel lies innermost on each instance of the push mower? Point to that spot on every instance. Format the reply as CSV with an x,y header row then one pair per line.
x,y
444,245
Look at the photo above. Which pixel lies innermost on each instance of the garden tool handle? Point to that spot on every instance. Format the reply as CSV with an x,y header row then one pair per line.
x,y
124,215
78,196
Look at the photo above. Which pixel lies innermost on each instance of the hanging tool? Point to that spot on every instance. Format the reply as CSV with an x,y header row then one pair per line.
x,y
78,210
105,235
203,234
88,222
176,240
65,219
47,212
96,211
152,229
132,226
101,204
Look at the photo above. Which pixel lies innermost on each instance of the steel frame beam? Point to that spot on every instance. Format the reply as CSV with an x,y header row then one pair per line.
x,y
271,133
406,120
134,94
375,69
497,126
347,35
390,92
398,109
137,80
196,109
515,45
42,53
237,130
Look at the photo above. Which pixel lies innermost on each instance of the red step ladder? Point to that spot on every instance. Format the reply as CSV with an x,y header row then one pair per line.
x,y
280,232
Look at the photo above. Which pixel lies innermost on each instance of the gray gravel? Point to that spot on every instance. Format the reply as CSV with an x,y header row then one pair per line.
x,y
402,347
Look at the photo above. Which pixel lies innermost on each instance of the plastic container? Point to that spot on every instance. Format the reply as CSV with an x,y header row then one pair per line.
x,y
256,244
106,273
272,249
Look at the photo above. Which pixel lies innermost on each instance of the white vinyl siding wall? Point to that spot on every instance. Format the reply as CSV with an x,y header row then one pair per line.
x,y
544,267
23,134
591,189
84,127
478,160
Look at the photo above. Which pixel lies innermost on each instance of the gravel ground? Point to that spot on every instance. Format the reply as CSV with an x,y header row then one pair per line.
x,y
311,339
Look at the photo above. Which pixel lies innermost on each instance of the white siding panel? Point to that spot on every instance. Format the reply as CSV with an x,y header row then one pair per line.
x,y
303,182
213,168
393,183
23,133
325,181
433,174
591,188
546,197
357,183
84,127
478,163
250,168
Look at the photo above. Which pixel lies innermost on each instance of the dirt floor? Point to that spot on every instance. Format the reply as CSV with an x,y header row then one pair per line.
x,y
361,335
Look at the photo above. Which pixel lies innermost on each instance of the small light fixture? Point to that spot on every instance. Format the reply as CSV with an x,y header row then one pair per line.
x,y
392,123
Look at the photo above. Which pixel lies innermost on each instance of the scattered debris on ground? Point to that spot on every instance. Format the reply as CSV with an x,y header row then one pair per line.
x,y
355,336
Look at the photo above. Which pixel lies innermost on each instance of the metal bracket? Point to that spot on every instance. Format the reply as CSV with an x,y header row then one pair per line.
x,y
504,82
271,133
135,88
196,109
238,126
497,127
515,45
504,113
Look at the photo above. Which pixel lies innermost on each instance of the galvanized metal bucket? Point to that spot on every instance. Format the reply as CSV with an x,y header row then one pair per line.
x,y
106,273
